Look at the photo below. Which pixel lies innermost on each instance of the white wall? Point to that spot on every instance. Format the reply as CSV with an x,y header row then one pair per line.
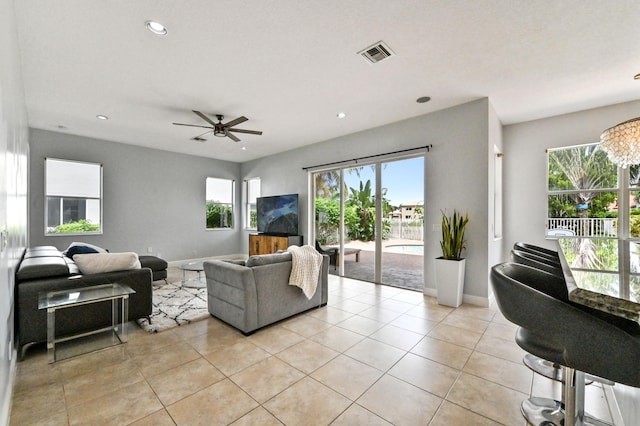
x,y
14,150
525,186
151,198
455,176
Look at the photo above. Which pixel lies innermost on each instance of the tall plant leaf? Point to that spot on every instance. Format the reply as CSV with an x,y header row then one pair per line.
x,y
453,241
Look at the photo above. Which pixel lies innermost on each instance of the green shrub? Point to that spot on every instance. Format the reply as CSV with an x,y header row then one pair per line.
x,y
81,225
634,226
219,215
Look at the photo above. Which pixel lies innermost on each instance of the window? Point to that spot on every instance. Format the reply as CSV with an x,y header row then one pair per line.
x,y
634,200
582,192
252,190
73,197
219,200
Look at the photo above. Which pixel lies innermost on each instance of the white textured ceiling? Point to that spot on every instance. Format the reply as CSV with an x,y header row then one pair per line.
x,y
291,65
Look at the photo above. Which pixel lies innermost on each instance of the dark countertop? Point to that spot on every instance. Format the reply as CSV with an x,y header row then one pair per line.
x,y
603,274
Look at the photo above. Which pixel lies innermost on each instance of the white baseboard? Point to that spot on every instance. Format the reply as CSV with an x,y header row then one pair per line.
x,y
466,298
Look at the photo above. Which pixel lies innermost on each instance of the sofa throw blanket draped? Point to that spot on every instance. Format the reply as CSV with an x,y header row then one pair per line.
x,y
305,268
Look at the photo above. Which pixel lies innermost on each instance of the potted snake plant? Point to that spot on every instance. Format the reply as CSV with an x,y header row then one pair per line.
x,y
450,267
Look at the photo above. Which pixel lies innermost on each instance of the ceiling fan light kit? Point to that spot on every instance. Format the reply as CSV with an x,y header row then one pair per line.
x,y
220,129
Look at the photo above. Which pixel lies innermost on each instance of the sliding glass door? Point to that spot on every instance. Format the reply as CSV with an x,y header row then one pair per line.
x,y
359,248
369,219
403,224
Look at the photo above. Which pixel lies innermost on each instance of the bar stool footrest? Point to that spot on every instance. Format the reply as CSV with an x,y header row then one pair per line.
x,y
543,367
543,411
546,412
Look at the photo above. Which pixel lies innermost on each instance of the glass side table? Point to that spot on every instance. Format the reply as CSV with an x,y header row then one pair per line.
x,y
193,267
63,299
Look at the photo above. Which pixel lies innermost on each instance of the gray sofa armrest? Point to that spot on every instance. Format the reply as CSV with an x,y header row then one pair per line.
x,y
231,294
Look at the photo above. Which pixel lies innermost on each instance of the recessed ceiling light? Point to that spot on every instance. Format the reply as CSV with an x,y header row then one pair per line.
x,y
341,115
244,148
423,99
102,117
156,27
61,127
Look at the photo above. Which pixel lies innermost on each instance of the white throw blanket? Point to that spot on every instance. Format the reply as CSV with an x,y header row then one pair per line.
x,y
305,268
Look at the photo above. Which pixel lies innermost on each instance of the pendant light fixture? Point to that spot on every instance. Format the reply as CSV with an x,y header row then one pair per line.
x,y
622,143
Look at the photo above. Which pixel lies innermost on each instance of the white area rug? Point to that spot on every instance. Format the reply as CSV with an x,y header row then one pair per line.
x,y
174,306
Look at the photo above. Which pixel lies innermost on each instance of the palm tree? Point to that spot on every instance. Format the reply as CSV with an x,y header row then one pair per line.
x,y
580,168
364,202
327,184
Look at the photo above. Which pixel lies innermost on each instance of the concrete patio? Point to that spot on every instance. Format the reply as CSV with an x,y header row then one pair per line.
x,y
403,270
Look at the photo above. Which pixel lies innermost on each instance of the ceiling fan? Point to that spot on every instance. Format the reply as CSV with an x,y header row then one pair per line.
x,y
220,129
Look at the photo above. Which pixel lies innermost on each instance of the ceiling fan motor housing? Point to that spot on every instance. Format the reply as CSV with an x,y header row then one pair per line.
x,y
219,129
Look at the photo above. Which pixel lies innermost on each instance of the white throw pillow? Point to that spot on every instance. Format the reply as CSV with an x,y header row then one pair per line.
x,y
95,263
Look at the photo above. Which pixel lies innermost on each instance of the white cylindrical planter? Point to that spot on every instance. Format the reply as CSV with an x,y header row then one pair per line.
x,y
449,281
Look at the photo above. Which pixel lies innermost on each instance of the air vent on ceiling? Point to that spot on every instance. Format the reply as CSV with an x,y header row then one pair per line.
x,y
376,52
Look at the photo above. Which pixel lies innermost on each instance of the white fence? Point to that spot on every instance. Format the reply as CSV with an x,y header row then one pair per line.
x,y
594,227
580,227
406,230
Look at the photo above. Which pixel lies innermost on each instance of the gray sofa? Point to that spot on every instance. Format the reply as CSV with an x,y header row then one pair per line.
x,y
253,294
45,268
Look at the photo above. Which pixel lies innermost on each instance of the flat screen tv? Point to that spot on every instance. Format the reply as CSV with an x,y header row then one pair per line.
x,y
278,215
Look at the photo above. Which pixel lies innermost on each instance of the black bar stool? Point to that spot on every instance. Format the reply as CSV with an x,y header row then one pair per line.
x,y
538,262
539,251
541,366
581,340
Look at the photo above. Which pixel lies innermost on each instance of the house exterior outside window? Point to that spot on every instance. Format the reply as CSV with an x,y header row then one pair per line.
x,y
582,193
73,197
219,203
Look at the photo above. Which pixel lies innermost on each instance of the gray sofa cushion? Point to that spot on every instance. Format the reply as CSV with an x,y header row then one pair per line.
x,y
42,267
43,251
158,266
268,259
236,261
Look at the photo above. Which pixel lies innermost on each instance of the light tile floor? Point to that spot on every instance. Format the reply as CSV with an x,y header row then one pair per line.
x,y
374,355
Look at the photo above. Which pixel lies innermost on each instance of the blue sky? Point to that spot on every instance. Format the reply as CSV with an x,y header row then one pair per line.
x,y
403,179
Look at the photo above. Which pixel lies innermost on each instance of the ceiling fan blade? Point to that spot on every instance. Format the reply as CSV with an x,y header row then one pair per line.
x,y
236,121
233,137
251,132
193,125
204,117
200,138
